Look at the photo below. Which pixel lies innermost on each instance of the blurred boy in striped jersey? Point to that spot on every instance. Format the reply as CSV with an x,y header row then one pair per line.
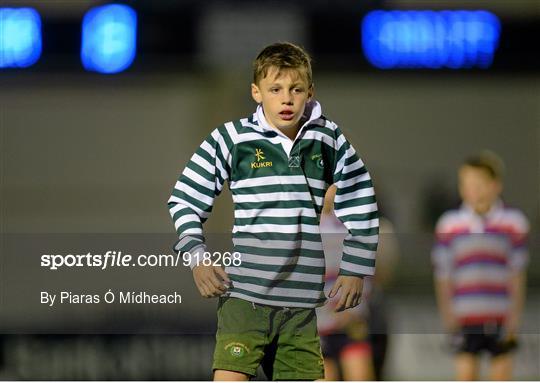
x,y
479,260
354,342
278,163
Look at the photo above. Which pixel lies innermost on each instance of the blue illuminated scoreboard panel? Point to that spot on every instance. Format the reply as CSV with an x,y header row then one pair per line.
x,y
108,38
429,39
111,38
20,37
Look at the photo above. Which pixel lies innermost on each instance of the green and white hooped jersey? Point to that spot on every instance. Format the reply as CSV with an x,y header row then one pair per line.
x,y
278,188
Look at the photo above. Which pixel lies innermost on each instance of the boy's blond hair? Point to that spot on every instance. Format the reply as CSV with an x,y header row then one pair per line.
x,y
282,56
489,162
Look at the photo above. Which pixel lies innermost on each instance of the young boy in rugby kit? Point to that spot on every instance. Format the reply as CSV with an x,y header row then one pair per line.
x,y
278,163
479,260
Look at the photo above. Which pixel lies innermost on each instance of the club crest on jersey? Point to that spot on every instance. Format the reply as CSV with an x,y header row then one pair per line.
x,y
260,163
318,160
237,349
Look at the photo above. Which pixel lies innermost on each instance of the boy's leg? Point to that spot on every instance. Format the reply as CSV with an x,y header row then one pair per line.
x,y
224,375
501,347
466,366
467,358
501,367
330,346
356,362
240,339
298,355
331,369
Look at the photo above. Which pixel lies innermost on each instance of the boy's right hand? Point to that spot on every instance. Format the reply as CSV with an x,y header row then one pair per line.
x,y
212,281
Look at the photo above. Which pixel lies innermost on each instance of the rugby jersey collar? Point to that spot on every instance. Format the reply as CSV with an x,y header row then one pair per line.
x,y
313,109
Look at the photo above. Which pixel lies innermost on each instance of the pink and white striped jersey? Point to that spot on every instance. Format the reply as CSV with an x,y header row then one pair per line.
x,y
478,254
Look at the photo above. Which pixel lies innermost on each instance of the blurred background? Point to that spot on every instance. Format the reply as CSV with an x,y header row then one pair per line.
x,y
101,107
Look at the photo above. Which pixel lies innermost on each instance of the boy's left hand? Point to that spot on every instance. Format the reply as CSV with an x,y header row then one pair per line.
x,y
351,291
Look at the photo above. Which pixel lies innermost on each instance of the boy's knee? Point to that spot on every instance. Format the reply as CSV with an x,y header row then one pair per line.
x,y
224,375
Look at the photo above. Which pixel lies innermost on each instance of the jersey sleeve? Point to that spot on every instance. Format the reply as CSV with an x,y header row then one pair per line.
x,y
355,205
193,195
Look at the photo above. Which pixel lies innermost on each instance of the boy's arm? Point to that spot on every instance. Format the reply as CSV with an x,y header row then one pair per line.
x,y
191,203
519,257
443,293
354,205
441,259
517,300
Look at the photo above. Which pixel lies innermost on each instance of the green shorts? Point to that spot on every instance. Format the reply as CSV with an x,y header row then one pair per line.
x,y
283,340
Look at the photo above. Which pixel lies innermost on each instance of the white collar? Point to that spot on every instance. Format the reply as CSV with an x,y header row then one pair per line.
x,y
313,109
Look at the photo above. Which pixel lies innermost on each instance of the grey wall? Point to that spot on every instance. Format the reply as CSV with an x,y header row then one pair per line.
x,y
94,154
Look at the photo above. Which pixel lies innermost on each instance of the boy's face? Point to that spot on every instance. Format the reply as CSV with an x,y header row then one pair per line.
x,y
283,94
477,188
